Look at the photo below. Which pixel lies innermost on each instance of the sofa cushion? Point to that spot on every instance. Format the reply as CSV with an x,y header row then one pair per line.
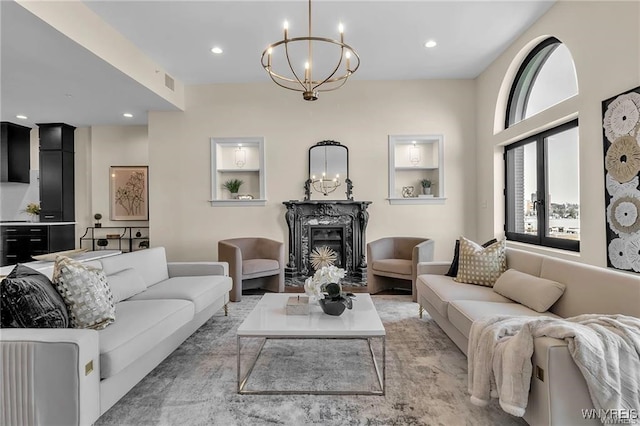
x,y
257,267
201,291
125,284
140,326
28,299
394,266
439,290
462,313
481,265
150,263
86,293
538,294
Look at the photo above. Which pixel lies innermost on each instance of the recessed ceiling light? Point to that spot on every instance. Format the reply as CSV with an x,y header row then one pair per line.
x,y
126,114
21,117
430,43
216,50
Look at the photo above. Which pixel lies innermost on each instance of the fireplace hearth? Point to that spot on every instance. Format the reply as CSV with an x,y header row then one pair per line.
x,y
338,225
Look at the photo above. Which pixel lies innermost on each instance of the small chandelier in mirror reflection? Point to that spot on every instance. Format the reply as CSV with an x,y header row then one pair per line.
x,y
324,184
414,154
241,156
307,76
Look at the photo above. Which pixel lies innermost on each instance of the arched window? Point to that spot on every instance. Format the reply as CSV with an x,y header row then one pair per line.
x,y
547,76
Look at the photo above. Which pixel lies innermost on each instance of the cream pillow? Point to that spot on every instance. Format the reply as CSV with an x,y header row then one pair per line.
x,y
536,293
481,265
86,293
125,284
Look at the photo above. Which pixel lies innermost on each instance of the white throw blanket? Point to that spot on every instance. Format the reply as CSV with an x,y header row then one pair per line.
x,y
606,349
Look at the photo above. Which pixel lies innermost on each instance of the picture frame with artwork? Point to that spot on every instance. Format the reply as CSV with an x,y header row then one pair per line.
x,y
129,192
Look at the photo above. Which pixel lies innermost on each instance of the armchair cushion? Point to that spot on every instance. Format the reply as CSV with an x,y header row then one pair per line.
x,y
29,300
255,266
395,266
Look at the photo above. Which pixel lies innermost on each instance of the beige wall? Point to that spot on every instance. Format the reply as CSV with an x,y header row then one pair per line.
x,y
98,148
604,39
360,115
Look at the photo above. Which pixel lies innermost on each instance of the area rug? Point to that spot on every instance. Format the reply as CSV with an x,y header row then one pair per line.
x,y
196,384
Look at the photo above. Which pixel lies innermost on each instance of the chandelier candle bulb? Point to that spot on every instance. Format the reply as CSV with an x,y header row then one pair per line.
x,y
341,29
286,29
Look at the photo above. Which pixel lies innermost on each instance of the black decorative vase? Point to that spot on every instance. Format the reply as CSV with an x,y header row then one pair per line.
x,y
335,307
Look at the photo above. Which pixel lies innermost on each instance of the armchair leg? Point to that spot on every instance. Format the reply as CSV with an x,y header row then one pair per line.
x,y
226,310
420,311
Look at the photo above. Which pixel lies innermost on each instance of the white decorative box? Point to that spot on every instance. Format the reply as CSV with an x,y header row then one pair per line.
x,y
297,305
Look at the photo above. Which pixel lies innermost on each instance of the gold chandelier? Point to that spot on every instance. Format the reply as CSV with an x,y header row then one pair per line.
x,y
333,78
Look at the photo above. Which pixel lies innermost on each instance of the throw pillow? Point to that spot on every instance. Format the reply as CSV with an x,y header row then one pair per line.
x,y
453,269
86,293
536,293
481,265
125,284
29,300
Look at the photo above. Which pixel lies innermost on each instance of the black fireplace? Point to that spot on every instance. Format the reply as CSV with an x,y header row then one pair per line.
x,y
338,225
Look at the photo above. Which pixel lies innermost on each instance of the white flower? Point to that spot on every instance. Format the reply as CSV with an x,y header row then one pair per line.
x,y
314,285
312,289
615,188
632,253
622,116
618,253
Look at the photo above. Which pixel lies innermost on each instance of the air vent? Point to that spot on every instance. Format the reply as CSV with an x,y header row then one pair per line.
x,y
168,81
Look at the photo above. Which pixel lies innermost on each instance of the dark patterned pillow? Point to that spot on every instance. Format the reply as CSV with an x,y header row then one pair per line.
x,y
453,269
29,300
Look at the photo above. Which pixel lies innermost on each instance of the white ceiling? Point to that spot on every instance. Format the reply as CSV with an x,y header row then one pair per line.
x,y
40,65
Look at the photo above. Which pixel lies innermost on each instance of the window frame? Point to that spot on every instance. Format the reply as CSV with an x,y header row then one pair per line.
x,y
524,79
541,239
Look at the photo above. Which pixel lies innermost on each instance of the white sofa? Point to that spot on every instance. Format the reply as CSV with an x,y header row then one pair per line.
x,y
558,391
72,376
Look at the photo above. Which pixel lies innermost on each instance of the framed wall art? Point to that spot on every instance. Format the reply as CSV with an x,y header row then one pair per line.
x,y
129,192
621,137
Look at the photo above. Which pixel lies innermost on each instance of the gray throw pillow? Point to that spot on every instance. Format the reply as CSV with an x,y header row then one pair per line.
x,y
29,300
536,293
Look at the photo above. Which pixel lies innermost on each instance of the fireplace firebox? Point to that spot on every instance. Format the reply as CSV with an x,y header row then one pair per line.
x,y
337,225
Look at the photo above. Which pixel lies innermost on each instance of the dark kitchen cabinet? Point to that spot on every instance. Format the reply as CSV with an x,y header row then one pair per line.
x,y
57,199
20,242
15,152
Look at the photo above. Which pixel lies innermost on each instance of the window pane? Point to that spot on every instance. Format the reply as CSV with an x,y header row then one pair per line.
x,y
555,82
521,189
563,185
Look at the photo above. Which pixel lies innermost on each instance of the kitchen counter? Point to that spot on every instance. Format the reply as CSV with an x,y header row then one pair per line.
x,y
10,223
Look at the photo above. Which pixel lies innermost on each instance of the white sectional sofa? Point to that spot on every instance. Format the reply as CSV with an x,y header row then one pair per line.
x,y
558,391
72,376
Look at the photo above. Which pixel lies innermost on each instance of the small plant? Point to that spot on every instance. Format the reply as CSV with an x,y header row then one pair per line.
x,y
426,183
233,185
33,209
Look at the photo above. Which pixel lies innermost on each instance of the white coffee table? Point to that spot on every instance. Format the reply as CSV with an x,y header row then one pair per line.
x,y
268,320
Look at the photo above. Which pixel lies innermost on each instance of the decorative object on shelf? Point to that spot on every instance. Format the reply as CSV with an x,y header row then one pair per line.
x,y
621,136
322,256
113,236
325,287
336,74
143,244
138,234
233,186
407,191
414,155
129,192
328,161
426,186
102,243
245,197
241,156
33,209
97,217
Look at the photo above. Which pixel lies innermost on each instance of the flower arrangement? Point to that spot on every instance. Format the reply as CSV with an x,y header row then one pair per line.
x,y
33,209
325,280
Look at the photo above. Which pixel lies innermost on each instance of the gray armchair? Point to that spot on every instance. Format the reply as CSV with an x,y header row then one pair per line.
x,y
251,258
392,262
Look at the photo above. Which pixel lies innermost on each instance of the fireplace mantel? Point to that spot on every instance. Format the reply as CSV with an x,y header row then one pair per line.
x,y
347,218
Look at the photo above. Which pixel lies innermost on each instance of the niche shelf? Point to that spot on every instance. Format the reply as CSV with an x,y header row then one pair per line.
x,y
411,159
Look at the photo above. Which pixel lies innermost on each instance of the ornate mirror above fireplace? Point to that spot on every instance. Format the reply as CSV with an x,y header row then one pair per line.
x,y
328,172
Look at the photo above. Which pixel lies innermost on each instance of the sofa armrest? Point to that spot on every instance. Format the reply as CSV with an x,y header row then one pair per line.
x,y
433,268
50,376
558,392
187,269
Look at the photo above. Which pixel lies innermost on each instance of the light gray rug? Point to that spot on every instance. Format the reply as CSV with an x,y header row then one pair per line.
x,y
196,385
